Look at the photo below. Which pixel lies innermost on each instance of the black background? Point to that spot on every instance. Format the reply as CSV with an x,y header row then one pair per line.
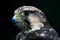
x,y
8,31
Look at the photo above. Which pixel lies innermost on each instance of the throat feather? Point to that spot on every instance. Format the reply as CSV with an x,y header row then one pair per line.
x,y
36,26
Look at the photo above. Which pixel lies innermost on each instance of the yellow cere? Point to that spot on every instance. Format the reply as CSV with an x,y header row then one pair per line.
x,y
18,17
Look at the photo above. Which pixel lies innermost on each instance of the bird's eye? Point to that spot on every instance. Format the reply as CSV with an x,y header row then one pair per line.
x,y
27,12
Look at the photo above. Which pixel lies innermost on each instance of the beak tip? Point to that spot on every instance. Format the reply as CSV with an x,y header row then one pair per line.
x,y
14,19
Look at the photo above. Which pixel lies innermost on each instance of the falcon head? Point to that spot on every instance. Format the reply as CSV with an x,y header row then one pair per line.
x,y
26,17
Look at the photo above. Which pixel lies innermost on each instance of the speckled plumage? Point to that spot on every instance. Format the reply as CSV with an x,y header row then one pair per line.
x,y
33,24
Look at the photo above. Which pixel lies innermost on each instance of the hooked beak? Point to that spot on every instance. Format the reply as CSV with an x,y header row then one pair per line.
x,y
16,18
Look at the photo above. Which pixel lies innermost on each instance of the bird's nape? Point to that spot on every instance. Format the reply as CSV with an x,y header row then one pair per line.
x,y
33,24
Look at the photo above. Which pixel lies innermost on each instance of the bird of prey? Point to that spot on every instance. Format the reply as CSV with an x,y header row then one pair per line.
x,y
33,24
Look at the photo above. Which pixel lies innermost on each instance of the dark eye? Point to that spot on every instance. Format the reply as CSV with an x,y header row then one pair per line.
x,y
27,12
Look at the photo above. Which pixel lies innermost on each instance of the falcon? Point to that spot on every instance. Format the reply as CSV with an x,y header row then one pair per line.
x,y
33,24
